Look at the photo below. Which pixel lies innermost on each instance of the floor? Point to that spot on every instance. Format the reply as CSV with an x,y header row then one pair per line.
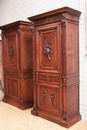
x,y
12,118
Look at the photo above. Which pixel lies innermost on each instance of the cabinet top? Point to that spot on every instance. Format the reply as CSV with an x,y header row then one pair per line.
x,y
60,13
16,23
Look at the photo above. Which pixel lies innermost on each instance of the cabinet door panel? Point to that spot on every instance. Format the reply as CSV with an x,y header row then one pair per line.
x,y
12,88
11,52
49,98
48,49
49,68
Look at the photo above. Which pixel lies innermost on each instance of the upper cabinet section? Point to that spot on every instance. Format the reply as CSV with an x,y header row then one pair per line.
x,y
61,13
17,40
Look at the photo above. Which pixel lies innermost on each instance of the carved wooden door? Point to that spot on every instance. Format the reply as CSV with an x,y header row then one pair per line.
x,y
48,50
11,50
11,64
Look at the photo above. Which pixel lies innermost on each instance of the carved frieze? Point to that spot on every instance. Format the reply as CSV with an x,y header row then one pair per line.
x,y
48,19
11,73
10,29
48,78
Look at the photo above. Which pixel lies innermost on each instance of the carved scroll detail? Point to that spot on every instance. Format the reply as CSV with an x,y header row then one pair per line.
x,y
47,50
52,97
63,23
44,96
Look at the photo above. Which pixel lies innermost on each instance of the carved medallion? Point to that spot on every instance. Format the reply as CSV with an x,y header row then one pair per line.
x,y
47,50
11,52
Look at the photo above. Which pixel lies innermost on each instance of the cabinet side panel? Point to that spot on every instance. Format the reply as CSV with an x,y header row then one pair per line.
x,y
73,99
70,79
26,50
72,48
26,90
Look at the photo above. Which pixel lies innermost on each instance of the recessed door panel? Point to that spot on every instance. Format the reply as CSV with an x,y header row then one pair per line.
x,y
48,48
12,88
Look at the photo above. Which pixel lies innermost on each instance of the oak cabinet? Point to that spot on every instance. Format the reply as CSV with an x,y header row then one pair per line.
x,y
17,63
56,65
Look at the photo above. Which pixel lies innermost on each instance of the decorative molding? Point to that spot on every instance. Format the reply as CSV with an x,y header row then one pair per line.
x,y
34,76
19,32
32,29
64,80
64,115
47,50
27,74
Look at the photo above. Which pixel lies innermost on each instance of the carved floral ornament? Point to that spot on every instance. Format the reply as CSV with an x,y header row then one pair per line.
x,y
48,50
11,52
49,19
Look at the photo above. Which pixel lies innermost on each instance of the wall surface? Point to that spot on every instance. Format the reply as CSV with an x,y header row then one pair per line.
x,y
13,10
1,69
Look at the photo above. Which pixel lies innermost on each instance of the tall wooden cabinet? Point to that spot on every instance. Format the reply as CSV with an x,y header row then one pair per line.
x,y
17,64
56,66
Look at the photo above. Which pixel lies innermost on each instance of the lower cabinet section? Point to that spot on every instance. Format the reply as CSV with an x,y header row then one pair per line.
x,y
19,92
49,98
12,88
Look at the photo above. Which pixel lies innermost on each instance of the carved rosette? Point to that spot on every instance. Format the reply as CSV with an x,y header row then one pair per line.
x,y
47,49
